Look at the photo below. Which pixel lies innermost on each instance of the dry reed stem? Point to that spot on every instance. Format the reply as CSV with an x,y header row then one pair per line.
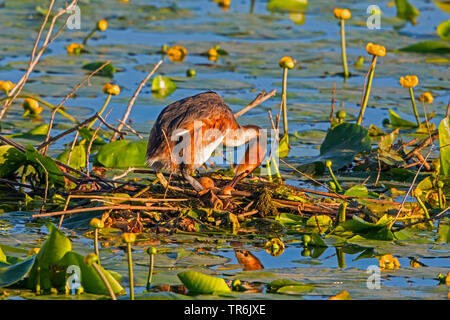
x,y
69,95
133,98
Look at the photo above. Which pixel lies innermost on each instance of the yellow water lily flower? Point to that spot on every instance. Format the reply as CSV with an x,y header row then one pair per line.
x,y
74,48
224,4
389,262
31,106
426,97
343,14
102,25
286,62
6,85
274,247
376,49
129,237
112,89
409,81
177,54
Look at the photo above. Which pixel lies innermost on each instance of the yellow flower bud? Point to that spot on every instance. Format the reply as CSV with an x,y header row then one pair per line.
x,y
112,89
409,81
417,192
90,259
102,25
96,223
32,106
224,4
343,14
286,62
74,48
389,262
426,97
129,237
213,53
375,49
6,85
177,54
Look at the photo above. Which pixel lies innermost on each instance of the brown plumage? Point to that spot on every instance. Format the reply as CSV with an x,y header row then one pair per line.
x,y
206,120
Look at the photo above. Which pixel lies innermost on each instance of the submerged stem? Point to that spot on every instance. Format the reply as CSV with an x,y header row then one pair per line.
x,y
367,92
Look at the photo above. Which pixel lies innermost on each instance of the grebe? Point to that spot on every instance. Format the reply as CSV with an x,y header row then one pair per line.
x,y
203,122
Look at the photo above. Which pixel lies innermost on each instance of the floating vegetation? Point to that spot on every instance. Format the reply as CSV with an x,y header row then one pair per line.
x,y
82,215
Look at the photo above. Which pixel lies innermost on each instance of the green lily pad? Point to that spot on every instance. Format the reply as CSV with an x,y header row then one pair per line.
x,y
427,47
16,272
199,283
406,11
55,176
343,143
287,5
51,252
90,279
443,30
122,154
11,159
163,86
398,122
77,159
107,71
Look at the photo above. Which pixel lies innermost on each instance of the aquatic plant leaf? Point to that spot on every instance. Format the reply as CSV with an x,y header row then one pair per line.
x,y
163,86
397,121
356,227
34,136
359,191
283,147
107,71
406,11
295,289
317,241
77,159
279,283
427,47
444,143
343,143
443,5
87,134
52,251
90,279
387,140
287,5
55,176
200,283
122,154
319,223
16,272
2,257
11,159
443,30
